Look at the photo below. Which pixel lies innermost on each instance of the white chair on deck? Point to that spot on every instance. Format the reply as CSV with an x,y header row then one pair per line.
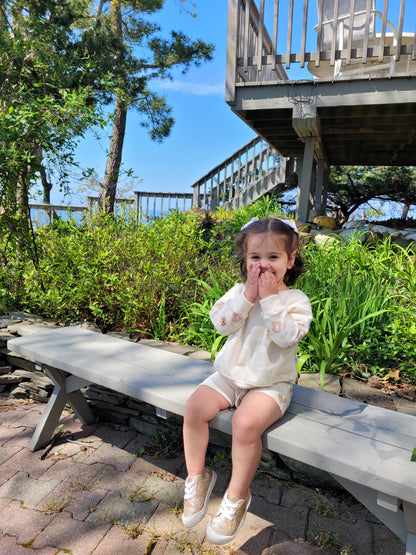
x,y
350,33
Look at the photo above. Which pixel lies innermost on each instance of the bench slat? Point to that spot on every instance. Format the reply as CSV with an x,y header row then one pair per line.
x,y
370,429
356,411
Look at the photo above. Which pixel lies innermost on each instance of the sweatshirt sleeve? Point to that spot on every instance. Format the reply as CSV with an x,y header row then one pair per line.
x,y
230,312
287,319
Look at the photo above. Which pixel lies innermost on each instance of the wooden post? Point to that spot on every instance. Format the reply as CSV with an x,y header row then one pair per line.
x,y
232,32
302,203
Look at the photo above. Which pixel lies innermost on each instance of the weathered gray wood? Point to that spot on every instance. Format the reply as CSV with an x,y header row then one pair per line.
x,y
366,448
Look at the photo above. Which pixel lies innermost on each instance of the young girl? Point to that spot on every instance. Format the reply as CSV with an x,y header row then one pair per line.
x,y
254,371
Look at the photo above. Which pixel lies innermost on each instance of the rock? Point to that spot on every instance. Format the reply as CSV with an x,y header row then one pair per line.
x,y
404,405
4,338
92,326
359,391
309,475
200,354
30,329
361,233
14,328
168,346
313,381
322,237
383,230
8,379
20,361
5,322
354,223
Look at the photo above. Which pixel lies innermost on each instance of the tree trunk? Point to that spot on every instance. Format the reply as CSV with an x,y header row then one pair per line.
x,y
112,170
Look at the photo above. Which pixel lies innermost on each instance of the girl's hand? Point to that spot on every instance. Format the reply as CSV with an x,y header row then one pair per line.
x,y
252,286
268,285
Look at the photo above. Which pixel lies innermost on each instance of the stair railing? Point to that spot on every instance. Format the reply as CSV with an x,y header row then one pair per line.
x,y
243,177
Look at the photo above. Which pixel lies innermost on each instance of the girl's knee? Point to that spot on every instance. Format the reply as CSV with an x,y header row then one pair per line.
x,y
244,429
192,410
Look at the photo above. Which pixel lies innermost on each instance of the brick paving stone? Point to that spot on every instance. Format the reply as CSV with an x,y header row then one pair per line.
x,y
4,501
117,541
27,461
108,454
387,543
73,536
124,483
294,521
10,546
294,495
254,535
269,492
73,499
169,492
118,436
70,470
356,535
23,523
7,434
116,509
6,452
14,415
164,523
29,418
73,424
282,544
152,464
27,490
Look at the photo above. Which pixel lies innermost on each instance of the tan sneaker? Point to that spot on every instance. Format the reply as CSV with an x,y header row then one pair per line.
x,y
198,490
225,525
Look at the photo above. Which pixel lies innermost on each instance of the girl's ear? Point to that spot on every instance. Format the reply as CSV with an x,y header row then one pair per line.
x,y
291,260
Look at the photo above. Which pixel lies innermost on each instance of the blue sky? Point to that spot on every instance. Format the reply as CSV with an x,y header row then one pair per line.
x,y
206,130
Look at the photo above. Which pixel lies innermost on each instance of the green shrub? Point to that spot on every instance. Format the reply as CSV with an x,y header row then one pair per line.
x,y
116,272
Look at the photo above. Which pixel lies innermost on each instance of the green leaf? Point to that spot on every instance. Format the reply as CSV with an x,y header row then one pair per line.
x,y
413,457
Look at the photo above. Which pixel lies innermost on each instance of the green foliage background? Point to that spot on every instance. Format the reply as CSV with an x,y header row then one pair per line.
x,y
160,280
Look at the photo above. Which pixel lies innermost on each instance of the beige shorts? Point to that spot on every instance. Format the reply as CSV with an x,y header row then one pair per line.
x,y
280,392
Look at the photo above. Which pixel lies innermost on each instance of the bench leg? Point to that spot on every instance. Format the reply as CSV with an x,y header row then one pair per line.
x,y
410,519
49,419
65,392
411,544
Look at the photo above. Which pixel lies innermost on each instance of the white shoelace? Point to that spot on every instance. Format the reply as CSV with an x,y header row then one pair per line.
x,y
228,508
190,488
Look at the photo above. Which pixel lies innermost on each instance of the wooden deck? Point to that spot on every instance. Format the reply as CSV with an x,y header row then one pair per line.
x,y
358,107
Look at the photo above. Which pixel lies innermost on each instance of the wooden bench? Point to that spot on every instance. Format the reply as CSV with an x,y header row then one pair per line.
x,y
366,448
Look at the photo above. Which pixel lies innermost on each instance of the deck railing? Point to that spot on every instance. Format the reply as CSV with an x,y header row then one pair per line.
x,y
241,178
265,36
145,206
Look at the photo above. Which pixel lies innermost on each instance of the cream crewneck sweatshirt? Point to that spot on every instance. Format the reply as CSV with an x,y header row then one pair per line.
x,y
262,336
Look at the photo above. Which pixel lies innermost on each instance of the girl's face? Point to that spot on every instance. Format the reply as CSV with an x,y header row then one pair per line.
x,y
268,252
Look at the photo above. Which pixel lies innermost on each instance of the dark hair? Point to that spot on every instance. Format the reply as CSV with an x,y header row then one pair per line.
x,y
278,227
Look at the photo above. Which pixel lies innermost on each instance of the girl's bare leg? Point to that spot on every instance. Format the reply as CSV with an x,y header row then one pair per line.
x,y
200,409
253,416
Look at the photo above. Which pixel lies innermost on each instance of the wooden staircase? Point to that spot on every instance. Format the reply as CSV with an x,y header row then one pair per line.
x,y
251,172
